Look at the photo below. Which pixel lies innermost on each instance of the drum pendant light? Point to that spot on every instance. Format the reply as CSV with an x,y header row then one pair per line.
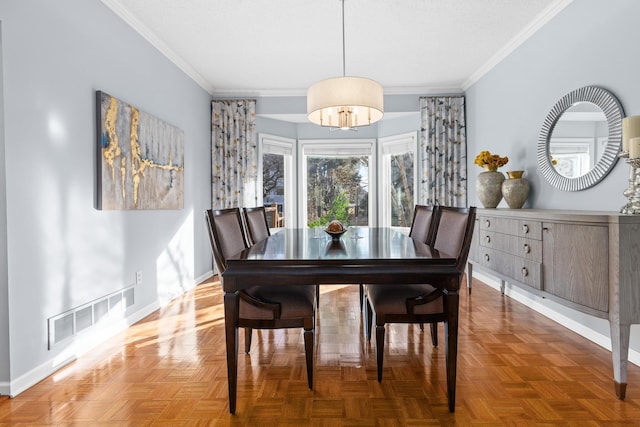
x,y
345,102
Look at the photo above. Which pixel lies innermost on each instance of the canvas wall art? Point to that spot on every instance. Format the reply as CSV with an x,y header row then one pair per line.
x,y
140,158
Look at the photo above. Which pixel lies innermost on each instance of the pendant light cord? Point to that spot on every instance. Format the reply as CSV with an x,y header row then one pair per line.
x,y
343,49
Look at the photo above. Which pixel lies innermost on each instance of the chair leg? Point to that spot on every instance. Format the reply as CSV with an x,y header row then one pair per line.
x,y
308,351
248,333
434,334
369,318
380,349
317,296
361,297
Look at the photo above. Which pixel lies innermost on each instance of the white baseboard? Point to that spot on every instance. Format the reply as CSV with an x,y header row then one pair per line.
x,y
80,345
545,307
5,388
203,277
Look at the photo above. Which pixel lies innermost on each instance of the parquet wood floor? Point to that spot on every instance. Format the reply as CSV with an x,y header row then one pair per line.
x,y
515,368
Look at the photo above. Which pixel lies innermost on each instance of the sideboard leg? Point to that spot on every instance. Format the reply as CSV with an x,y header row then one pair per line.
x,y
469,275
621,390
620,353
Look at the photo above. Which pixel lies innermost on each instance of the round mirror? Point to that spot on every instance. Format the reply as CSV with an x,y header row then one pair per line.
x,y
580,139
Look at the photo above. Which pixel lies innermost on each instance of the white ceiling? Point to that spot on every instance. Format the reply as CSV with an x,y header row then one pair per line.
x,y
280,47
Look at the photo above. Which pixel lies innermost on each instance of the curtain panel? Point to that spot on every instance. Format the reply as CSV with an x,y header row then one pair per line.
x,y
234,153
443,151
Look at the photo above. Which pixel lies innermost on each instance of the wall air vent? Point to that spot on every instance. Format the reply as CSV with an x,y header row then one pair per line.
x,y
79,319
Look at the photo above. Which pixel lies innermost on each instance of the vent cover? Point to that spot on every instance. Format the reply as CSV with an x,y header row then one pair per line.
x,y
70,323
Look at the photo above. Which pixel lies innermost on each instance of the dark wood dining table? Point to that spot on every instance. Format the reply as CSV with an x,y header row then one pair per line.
x,y
362,255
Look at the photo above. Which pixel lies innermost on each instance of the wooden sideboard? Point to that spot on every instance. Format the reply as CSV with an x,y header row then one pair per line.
x,y
588,261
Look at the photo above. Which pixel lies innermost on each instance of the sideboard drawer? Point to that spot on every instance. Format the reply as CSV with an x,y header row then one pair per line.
x,y
523,270
519,246
515,227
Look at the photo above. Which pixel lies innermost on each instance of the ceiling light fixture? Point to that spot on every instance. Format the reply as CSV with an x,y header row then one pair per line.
x,y
345,102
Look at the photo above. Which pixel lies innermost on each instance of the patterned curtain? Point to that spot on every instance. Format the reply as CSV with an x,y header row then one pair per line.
x,y
234,153
443,151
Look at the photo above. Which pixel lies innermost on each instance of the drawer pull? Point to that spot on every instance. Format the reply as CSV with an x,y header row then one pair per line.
x,y
486,257
487,223
525,272
527,248
525,228
487,239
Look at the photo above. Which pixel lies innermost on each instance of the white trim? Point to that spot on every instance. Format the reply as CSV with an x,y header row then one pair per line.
x,y
156,42
287,148
387,146
406,90
545,307
337,148
543,18
82,344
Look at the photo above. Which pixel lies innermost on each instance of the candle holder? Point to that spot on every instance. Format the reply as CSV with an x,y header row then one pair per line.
x,y
633,192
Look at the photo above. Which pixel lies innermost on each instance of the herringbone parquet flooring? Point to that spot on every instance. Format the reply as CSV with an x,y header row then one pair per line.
x,y
515,368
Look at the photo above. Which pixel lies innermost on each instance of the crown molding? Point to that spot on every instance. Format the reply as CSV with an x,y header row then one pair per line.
x,y
156,42
544,17
265,93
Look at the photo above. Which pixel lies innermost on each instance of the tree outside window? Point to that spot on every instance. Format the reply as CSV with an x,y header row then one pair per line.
x,y
402,189
273,184
337,188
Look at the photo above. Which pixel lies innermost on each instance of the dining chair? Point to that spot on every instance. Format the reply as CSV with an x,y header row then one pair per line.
x,y
421,303
422,229
257,225
423,223
262,306
258,230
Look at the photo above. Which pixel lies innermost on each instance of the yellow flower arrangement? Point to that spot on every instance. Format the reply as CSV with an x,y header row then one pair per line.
x,y
490,161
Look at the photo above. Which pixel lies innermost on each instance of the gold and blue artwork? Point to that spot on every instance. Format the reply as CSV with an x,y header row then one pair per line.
x,y
140,158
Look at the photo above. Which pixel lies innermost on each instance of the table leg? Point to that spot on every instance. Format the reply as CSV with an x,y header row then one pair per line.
x,y
469,275
451,305
231,313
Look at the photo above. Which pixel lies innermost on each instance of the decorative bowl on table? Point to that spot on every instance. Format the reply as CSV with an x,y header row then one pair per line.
x,y
335,229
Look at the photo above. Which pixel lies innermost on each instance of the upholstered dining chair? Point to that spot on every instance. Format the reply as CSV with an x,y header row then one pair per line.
x,y
262,306
257,225
423,223
258,230
422,229
421,303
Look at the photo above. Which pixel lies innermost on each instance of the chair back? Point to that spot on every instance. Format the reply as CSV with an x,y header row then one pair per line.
x,y
454,232
422,226
257,225
226,234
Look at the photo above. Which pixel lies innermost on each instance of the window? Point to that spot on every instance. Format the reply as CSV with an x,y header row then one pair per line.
x,y
276,172
398,179
336,181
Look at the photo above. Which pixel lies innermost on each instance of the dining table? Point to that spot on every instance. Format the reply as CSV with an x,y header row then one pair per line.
x,y
362,255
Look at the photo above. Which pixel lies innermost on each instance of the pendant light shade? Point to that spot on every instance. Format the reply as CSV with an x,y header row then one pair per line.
x,y
345,102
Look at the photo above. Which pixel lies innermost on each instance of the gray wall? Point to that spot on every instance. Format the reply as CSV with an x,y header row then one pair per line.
x,y
4,295
591,42
62,252
402,114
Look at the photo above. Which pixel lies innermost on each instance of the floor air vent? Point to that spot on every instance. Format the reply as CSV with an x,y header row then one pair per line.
x,y
72,322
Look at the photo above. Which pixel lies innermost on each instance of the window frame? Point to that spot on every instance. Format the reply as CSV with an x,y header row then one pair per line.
x,y
272,144
388,146
337,148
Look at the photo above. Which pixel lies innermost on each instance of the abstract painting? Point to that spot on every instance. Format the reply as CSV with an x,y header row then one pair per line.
x,y
140,158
